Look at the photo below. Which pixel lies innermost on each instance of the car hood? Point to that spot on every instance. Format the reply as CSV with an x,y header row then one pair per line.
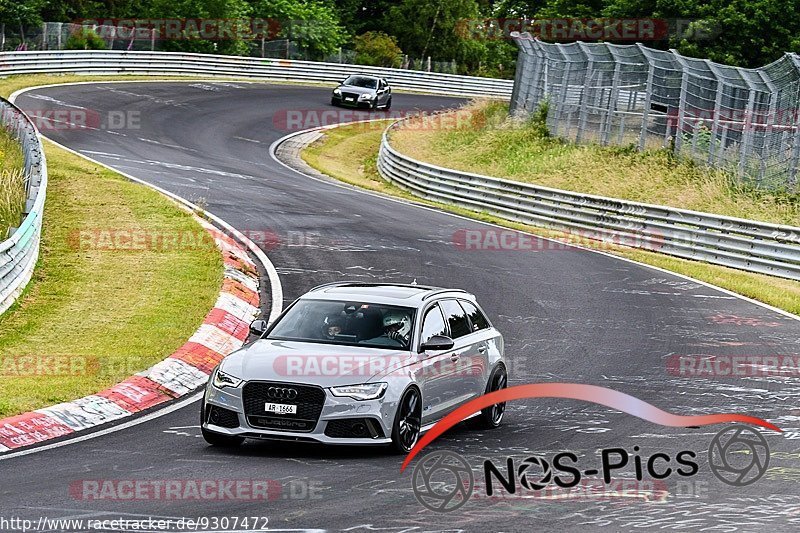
x,y
356,90
325,365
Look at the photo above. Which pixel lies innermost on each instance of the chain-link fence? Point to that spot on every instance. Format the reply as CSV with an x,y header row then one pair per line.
x,y
742,120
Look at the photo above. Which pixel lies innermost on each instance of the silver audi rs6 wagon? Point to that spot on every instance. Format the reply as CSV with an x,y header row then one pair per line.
x,y
357,363
363,91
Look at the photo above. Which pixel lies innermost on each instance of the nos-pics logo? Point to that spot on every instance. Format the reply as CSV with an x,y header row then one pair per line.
x,y
443,481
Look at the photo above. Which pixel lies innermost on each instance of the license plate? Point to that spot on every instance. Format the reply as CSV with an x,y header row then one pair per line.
x,y
280,408
349,99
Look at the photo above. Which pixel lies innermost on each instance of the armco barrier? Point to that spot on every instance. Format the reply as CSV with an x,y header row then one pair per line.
x,y
19,252
738,243
176,64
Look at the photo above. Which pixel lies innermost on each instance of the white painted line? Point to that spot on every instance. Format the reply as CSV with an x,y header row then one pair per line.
x,y
125,425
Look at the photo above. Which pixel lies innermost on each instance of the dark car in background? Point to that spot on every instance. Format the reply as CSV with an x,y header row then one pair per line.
x,y
363,91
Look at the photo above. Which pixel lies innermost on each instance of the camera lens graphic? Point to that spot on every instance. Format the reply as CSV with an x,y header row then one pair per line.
x,y
738,455
527,473
443,481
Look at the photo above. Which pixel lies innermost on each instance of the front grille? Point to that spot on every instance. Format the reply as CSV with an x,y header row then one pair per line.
x,y
222,417
354,428
309,401
354,96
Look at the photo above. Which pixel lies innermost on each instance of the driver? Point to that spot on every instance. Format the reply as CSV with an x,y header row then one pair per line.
x,y
397,326
332,326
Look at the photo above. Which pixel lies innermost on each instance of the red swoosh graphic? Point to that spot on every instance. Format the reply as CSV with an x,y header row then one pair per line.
x,y
587,393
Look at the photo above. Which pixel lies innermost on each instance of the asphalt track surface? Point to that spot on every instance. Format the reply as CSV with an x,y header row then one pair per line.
x,y
567,315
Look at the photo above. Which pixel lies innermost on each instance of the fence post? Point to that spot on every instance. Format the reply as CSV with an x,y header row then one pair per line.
x,y
712,156
612,105
681,101
747,127
772,115
563,95
583,106
519,75
647,95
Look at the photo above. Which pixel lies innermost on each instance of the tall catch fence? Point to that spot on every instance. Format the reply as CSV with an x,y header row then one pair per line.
x,y
742,120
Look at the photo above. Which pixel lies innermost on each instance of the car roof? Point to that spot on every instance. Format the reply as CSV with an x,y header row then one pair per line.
x,y
404,295
368,76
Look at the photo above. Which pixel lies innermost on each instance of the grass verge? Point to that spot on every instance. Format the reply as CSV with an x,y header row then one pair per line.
x,y
94,313
349,153
12,183
492,144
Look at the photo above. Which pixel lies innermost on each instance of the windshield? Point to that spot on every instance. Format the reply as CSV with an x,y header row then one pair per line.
x,y
346,323
361,81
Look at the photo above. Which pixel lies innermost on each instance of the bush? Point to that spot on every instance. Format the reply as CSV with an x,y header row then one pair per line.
x,y
377,49
84,39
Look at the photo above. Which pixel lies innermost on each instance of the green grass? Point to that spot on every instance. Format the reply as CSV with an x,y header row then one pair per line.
x,y
12,183
112,312
497,146
349,153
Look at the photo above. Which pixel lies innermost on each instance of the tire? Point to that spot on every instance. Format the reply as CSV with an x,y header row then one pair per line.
x,y
388,105
407,421
374,105
333,102
217,439
492,416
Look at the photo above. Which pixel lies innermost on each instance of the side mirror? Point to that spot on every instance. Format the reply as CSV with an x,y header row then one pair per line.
x,y
258,327
437,343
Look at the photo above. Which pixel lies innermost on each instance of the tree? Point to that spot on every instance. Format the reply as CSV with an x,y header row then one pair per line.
x,y
378,49
85,39
361,16
201,9
313,25
20,13
428,28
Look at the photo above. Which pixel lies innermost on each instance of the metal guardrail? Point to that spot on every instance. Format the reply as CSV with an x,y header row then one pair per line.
x,y
738,243
177,64
18,254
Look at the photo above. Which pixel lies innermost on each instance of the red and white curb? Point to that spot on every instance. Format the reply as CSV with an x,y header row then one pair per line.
x,y
224,330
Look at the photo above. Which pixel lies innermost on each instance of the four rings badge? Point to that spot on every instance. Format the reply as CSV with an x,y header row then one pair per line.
x,y
282,393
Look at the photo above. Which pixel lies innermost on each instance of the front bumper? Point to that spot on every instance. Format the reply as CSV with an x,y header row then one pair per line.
x,y
359,104
379,412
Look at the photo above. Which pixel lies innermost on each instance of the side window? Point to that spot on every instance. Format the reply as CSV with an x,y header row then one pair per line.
x,y
475,316
456,317
432,324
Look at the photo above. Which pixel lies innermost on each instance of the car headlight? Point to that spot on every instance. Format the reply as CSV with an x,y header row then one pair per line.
x,y
366,96
365,391
222,380
337,92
